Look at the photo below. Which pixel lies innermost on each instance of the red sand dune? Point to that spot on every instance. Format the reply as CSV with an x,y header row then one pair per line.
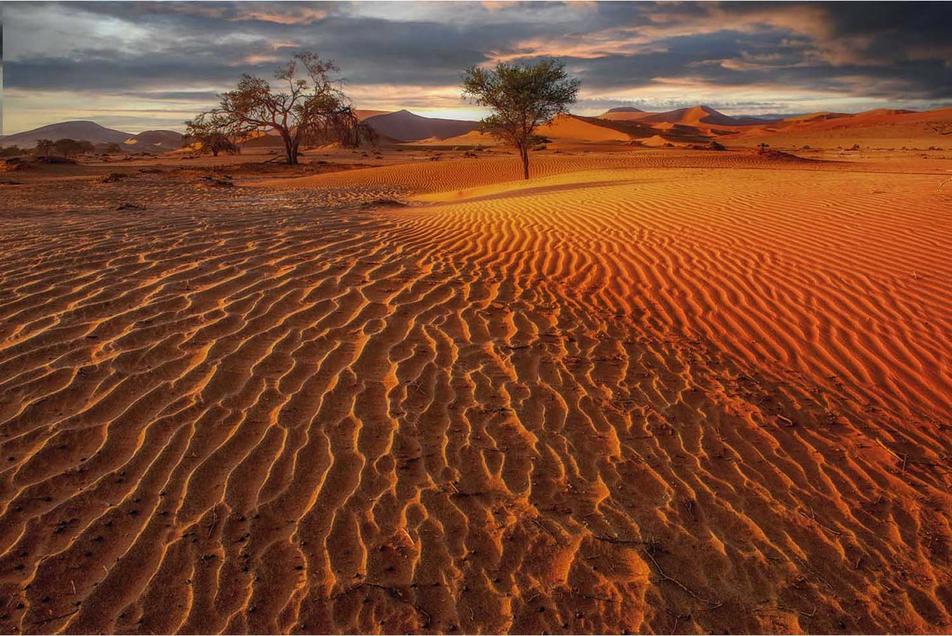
x,y
882,128
700,125
563,129
693,116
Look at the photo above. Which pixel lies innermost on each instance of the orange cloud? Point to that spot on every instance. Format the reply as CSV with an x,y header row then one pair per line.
x,y
298,15
259,59
810,21
587,46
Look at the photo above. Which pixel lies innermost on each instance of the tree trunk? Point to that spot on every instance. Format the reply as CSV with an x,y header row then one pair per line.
x,y
290,149
524,152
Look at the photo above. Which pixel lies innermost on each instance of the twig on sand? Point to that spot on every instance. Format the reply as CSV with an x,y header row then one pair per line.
x,y
543,527
54,618
395,594
786,421
678,617
681,585
902,458
665,577
211,526
810,614
619,541
812,517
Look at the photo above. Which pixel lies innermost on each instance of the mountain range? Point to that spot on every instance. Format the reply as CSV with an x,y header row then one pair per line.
x,y
684,126
147,141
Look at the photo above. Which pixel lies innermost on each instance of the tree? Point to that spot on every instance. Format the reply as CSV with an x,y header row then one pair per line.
x,y
112,148
68,147
11,151
209,131
308,107
44,147
522,98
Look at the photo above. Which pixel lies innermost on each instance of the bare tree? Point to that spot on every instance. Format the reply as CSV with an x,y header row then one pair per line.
x,y
522,98
309,105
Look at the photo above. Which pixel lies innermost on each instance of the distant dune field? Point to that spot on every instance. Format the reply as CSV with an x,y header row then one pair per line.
x,y
660,391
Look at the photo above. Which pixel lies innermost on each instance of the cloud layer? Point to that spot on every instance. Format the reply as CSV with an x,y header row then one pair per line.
x,y
140,64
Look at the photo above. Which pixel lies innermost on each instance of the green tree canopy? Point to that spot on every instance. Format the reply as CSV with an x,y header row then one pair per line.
x,y
522,97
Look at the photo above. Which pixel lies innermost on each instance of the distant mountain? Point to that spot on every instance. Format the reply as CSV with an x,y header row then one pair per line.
x,y
363,113
79,130
624,113
406,126
153,141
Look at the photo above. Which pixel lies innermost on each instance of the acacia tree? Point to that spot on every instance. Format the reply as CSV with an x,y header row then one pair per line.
x,y
522,98
209,131
308,106
44,147
70,147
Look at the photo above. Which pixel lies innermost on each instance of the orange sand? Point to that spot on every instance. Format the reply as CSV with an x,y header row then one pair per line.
x,y
653,391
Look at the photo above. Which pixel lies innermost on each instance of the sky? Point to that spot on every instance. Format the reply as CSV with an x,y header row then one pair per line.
x,y
145,65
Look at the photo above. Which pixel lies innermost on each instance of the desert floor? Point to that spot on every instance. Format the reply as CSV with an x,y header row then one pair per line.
x,y
655,391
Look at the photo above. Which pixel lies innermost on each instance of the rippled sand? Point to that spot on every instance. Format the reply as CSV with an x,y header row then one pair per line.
x,y
697,392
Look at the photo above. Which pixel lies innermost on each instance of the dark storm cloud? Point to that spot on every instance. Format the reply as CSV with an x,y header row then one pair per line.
x,y
886,50
192,45
737,59
910,23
